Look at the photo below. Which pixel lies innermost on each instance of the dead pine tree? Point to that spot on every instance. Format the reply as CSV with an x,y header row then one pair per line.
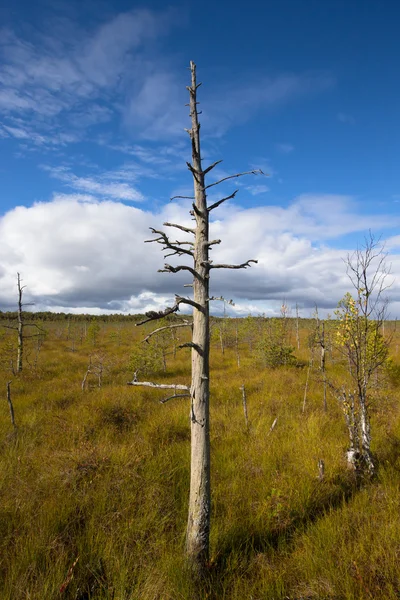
x,y
197,249
22,324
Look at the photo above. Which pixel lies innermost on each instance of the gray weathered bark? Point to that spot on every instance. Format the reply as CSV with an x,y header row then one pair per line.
x,y
10,405
20,326
198,524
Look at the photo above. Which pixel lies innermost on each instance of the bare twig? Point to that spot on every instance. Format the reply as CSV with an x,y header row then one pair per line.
x,y
254,172
185,197
181,227
167,244
174,396
185,324
273,426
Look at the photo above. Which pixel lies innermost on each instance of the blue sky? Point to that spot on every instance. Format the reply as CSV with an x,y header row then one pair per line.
x,y
92,115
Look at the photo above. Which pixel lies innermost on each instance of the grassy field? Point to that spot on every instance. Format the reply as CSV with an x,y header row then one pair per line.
x,y
94,483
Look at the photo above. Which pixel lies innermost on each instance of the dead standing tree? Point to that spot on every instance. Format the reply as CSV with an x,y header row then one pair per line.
x,y
198,526
22,324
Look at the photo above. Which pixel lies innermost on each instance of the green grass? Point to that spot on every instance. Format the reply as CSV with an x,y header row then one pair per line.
x,y
103,475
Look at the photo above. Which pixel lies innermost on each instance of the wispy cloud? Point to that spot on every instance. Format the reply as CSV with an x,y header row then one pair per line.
x,y
53,80
255,190
233,103
115,73
108,185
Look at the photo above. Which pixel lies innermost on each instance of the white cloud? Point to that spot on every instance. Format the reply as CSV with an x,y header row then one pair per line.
x,y
80,254
109,184
255,190
76,76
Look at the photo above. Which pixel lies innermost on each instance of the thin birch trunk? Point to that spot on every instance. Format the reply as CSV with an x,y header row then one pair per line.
x,y
366,437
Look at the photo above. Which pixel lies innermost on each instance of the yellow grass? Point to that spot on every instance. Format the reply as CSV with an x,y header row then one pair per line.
x,y
103,475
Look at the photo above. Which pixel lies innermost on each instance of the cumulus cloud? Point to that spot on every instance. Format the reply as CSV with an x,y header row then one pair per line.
x,y
77,254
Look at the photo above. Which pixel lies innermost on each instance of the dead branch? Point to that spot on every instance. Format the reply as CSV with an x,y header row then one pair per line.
x,y
160,386
242,266
185,197
254,172
273,426
191,345
185,324
174,396
230,302
167,244
181,227
153,315
211,167
170,269
216,204
188,301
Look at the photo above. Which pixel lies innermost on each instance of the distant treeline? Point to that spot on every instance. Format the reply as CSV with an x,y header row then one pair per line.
x,y
60,316
53,316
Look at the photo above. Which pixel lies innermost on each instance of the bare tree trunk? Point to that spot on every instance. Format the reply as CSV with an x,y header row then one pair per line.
x,y
198,527
20,327
221,340
237,345
349,409
306,386
10,405
297,328
323,364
